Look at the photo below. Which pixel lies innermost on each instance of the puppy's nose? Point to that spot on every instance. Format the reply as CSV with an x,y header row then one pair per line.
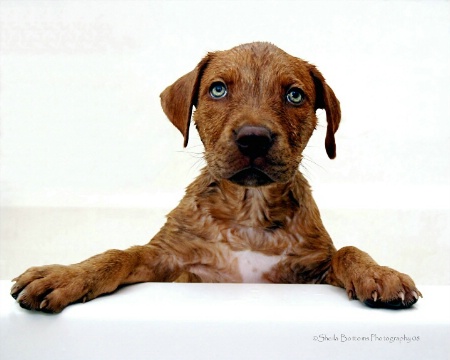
x,y
253,141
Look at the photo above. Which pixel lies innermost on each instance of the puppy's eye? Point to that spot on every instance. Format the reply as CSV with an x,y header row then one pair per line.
x,y
295,96
218,90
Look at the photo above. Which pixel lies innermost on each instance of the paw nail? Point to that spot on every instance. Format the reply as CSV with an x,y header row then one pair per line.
x,y
350,294
21,296
415,295
402,296
375,296
43,304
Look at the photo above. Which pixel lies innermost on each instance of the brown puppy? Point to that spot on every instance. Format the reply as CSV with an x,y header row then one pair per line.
x,y
250,215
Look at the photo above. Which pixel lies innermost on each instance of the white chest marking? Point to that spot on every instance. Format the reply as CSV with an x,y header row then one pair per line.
x,y
253,265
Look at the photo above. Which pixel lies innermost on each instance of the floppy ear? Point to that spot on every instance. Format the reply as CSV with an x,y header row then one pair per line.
x,y
178,99
325,99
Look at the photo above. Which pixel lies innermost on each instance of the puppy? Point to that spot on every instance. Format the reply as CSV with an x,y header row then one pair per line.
x,y
250,215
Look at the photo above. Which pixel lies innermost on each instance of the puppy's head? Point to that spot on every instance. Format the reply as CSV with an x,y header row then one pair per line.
x,y
255,111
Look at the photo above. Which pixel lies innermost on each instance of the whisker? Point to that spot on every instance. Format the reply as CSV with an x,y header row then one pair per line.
x,y
199,164
307,170
191,151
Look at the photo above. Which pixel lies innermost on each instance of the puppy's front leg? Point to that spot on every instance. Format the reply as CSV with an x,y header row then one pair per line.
x,y
51,288
375,285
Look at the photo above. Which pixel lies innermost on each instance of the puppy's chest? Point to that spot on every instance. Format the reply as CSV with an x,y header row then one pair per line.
x,y
249,245
252,255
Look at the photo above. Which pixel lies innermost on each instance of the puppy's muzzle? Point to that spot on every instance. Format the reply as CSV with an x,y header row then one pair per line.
x,y
253,141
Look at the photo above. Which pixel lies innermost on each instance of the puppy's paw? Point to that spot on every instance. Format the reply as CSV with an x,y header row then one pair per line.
x,y
383,287
50,288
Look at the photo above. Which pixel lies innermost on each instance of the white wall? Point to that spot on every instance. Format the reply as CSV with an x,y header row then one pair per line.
x,y
81,125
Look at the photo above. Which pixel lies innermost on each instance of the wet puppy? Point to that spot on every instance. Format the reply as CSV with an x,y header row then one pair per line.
x,y
250,215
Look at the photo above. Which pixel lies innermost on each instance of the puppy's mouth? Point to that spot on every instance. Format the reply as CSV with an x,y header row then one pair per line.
x,y
252,177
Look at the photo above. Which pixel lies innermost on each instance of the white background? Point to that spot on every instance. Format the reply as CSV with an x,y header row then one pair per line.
x,y
89,161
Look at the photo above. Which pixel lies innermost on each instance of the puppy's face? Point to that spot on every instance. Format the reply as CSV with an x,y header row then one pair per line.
x,y
255,111
255,114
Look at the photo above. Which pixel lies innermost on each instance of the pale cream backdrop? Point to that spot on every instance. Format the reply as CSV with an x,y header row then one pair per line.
x,y
89,161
